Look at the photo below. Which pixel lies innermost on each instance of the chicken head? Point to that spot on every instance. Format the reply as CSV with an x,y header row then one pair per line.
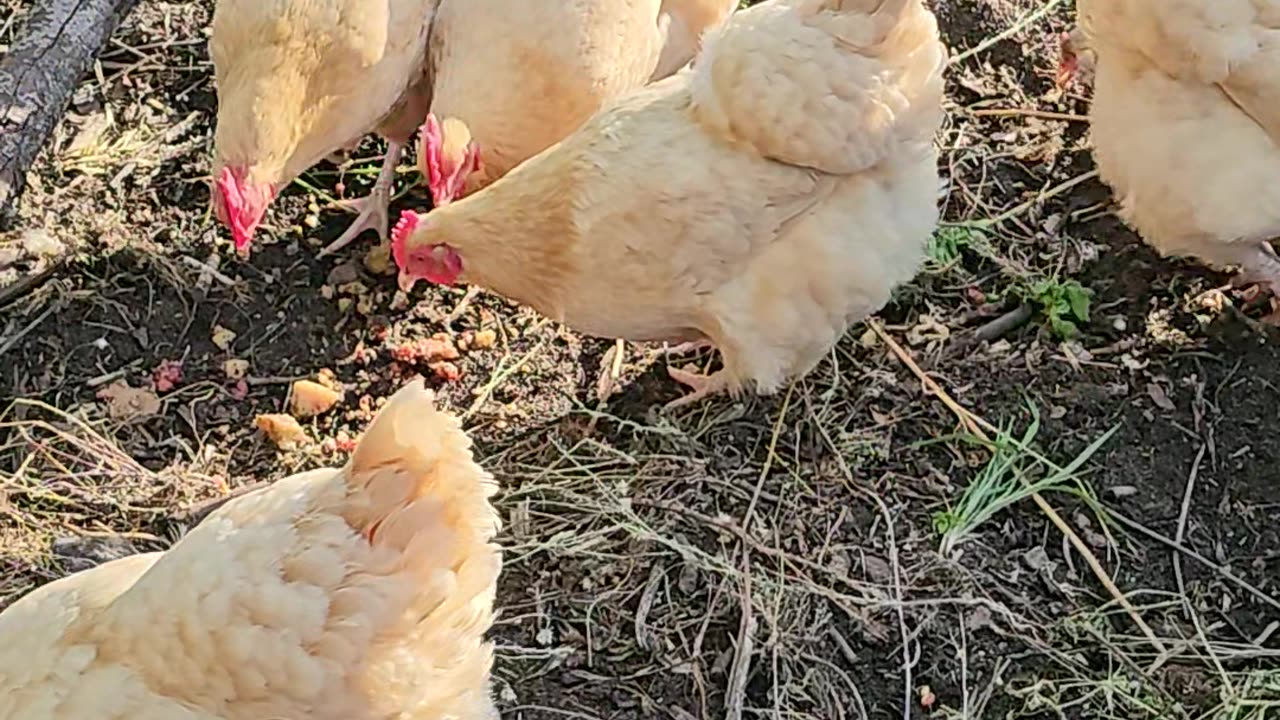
x,y
240,204
1075,57
448,156
299,79
438,263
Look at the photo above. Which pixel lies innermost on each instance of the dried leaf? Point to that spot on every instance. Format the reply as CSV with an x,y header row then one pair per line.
x,y
129,403
1158,396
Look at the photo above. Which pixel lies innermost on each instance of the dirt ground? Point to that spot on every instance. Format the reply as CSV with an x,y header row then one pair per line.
x,y
846,549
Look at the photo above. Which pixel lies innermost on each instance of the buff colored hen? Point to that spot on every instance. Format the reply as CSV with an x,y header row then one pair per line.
x,y
761,201
511,79
1186,122
299,80
363,592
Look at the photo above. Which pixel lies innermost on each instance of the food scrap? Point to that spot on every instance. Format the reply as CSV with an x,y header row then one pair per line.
x,y
222,337
235,369
283,430
167,375
445,370
426,350
478,340
378,260
311,398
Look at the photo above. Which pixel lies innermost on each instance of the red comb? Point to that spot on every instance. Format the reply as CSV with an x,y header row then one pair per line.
x,y
405,226
231,188
431,138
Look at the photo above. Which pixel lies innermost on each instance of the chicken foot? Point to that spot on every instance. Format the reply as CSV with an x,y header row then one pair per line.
x,y
1261,266
1259,273
373,208
687,347
702,386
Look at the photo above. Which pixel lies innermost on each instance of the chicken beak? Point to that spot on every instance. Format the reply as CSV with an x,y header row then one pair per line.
x,y
406,282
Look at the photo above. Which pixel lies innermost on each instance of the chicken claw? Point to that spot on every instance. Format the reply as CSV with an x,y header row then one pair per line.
x,y
687,347
1260,267
702,386
373,207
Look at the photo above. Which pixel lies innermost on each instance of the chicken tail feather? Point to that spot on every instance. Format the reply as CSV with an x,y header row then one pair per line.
x,y
417,495
414,452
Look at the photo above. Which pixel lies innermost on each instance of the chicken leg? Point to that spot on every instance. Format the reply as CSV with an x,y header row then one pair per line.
x,y
701,386
1261,268
372,208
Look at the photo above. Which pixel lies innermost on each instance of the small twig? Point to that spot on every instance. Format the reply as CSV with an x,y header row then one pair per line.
x,y
13,340
1022,22
644,636
768,460
199,511
973,422
964,671
757,546
1039,197
1170,542
1007,322
273,380
499,378
1182,528
460,308
736,692
207,270
894,564
107,377
1213,656
30,282
1027,112
615,367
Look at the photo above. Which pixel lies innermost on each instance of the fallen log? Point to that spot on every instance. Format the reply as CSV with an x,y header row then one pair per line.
x,y
53,52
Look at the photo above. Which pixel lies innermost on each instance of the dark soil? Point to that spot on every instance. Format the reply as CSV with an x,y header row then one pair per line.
x,y
643,549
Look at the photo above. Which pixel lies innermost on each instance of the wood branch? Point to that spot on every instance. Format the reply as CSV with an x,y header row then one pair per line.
x,y
54,50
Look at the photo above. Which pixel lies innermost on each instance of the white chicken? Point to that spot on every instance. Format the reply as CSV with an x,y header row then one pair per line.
x,y
762,201
363,592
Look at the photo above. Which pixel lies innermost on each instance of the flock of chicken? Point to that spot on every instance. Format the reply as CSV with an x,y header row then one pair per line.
x,y
759,199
